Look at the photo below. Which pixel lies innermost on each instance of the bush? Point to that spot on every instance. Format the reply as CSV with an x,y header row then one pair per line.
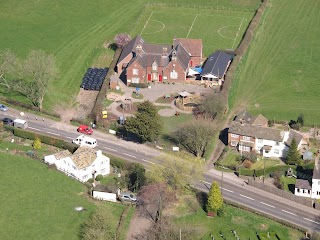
x,y
37,143
247,164
90,180
259,172
138,85
99,177
117,162
221,212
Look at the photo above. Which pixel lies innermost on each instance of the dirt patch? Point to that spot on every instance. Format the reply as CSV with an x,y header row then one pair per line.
x,y
264,227
167,112
113,96
128,110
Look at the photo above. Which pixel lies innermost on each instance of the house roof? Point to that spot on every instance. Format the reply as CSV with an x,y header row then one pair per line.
x,y
193,46
130,47
303,184
216,64
244,116
146,60
259,120
316,170
294,134
103,188
182,55
62,154
256,131
307,155
83,157
156,48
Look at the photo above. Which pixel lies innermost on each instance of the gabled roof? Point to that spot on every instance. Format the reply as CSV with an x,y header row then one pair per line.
x,y
303,184
192,46
83,157
146,60
316,169
156,48
259,120
244,116
294,134
256,131
130,47
62,154
216,64
182,55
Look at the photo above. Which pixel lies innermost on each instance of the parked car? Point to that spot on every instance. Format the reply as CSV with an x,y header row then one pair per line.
x,y
7,121
85,129
83,140
3,108
128,197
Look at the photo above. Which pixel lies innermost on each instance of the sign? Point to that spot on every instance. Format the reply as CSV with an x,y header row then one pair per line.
x,y
175,149
137,89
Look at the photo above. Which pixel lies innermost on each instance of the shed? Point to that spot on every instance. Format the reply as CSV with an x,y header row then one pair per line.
x,y
101,192
307,155
20,123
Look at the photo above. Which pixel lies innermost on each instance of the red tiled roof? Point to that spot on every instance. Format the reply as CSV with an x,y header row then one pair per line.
x,y
193,46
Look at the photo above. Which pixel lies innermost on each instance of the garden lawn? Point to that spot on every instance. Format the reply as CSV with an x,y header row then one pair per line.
x,y
278,76
288,183
171,124
37,202
245,223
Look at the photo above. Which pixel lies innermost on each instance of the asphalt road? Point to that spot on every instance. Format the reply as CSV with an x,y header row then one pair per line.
x,y
234,191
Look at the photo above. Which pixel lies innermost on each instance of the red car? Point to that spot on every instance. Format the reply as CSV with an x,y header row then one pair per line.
x,y
85,129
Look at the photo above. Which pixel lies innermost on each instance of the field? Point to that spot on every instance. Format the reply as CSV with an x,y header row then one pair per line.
x,y
278,76
162,23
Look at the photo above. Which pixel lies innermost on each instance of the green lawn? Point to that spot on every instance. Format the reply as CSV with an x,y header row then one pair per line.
x,y
245,223
278,76
288,181
38,203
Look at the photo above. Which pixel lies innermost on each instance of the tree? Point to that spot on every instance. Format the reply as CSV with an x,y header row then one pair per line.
x,y
37,143
137,176
196,135
122,39
178,173
215,200
8,64
212,105
293,156
153,199
146,124
38,70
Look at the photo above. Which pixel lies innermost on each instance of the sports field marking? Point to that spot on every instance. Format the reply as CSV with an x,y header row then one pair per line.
x,y
163,26
223,28
146,22
192,25
234,41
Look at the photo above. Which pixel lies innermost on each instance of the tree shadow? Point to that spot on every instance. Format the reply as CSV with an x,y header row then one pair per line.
x,y
113,46
202,199
291,187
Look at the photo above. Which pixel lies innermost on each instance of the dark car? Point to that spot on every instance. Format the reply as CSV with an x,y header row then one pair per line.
x,y
7,121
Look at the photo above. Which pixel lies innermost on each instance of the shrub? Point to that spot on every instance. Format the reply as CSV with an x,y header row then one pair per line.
x,y
99,177
139,85
247,163
117,162
37,143
90,180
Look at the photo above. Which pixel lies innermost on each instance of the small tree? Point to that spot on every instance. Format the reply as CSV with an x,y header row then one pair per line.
x,y
215,200
122,39
293,156
8,63
37,143
212,106
137,176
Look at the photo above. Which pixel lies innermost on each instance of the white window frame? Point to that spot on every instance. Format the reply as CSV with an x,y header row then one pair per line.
x,y
173,74
135,80
135,71
246,138
234,135
276,151
154,67
260,140
234,143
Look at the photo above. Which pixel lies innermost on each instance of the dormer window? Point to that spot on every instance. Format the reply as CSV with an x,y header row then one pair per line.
x,y
174,55
139,48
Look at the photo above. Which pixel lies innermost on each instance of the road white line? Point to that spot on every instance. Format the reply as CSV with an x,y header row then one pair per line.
x,y
289,212
129,155
247,197
69,137
54,133
267,204
227,190
206,182
311,221
34,128
147,161
111,149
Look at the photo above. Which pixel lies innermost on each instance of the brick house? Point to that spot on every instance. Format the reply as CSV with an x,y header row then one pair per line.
x,y
141,62
193,47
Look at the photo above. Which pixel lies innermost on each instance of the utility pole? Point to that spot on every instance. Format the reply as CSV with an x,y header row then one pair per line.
x,y
264,168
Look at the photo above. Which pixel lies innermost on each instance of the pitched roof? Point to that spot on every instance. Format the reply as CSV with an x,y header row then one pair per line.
x,y
316,170
216,64
303,184
256,131
294,134
146,60
259,120
62,154
182,55
83,157
244,116
130,47
193,46
156,48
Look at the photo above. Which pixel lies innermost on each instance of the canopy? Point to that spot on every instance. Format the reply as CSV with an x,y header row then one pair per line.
x,y
192,72
184,94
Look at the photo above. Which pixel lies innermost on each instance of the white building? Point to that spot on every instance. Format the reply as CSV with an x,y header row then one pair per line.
x,y
302,188
83,164
104,193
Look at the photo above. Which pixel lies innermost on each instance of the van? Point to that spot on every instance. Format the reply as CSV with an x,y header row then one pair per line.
x,y
19,123
83,140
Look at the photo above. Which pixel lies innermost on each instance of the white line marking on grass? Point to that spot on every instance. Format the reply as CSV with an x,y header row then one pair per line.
x,y
234,41
163,26
146,23
34,128
192,25
267,204
129,155
147,161
111,149
247,197
311,220
289,212
223,28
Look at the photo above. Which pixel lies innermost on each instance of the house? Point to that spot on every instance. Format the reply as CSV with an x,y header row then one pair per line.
x,y
83,164
215,67
302,188
141,62
246,117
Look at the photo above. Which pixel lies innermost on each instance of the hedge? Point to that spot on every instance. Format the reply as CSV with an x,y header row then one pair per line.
x,y
60,143
139,85
259,172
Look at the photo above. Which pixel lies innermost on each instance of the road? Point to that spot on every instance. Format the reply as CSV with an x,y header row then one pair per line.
x,y
235,191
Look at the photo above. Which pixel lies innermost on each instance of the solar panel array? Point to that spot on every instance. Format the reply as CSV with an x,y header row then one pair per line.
x,y
94,78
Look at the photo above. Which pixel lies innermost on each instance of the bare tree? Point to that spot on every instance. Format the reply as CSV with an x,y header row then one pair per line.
x,y
196,135
8,62
213,105
38,70
122,39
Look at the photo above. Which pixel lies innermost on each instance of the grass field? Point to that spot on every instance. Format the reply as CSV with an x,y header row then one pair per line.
x,y
278,76
160,24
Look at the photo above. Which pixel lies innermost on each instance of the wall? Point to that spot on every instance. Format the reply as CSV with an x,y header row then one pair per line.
x,y
112,197
302,192
178,68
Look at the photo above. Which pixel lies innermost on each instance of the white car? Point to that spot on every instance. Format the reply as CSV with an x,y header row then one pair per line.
x,y
3,108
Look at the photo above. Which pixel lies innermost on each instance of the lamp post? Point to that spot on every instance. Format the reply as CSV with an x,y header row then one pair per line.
x,y
264,168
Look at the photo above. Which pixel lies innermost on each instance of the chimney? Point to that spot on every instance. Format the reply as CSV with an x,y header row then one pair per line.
x,y
164,52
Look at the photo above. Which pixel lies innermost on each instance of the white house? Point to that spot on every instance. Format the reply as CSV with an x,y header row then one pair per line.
x,y
83,164
302,188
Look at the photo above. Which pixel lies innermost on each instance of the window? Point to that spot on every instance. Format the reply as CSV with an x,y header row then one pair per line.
x,y
102,163
302,190
173,74
298,189
260,141
244,148
135,71
154,66
308,191
277,143
234,143
318,193
135,80
246,138
103,170
74,167
276,151
234,135
318,182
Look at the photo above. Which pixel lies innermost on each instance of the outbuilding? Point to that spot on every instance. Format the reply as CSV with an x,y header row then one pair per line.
x,y
20,123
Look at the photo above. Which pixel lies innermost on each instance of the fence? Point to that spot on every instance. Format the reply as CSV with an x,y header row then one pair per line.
x,y
302,200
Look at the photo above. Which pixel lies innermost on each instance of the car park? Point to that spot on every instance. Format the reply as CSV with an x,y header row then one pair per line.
x,y
3,108
128,197
7,121
85,129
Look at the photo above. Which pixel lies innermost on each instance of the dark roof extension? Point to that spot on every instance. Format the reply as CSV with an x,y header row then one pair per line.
x,y
130,47
182,55
293,134
216,64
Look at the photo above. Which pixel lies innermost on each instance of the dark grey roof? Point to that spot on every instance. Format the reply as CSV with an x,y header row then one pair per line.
x,y
216,64
256,131
316,170
182,55
244,116
146,60
130,47
103,188
293,134
303,184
